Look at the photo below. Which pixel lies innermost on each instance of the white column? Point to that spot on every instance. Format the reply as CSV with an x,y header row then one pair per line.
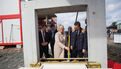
x,y
97,43
30,35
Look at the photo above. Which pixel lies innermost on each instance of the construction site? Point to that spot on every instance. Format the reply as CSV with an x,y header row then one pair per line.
x,y
29,28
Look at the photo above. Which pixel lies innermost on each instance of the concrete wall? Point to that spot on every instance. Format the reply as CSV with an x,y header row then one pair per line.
x,y
97,32
96,28
30,39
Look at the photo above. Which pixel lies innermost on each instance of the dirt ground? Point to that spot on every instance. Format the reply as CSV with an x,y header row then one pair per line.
x,y
13,58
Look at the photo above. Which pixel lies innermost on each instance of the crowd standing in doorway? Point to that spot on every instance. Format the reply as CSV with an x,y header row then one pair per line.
x,y
59,41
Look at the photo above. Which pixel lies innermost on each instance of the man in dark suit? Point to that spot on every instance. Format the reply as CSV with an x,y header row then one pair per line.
x,y
85,35
43,40
52,38
78,46
86,39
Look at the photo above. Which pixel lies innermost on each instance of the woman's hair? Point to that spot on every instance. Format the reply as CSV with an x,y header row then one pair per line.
x,y
59,27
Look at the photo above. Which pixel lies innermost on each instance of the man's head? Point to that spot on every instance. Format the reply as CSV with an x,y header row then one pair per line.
x,y
44,27
52,27
69,28
77,25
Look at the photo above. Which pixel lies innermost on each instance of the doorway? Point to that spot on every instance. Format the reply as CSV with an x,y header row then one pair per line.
x,y
51,15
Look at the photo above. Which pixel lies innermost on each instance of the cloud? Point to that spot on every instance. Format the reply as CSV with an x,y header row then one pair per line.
x,y
111,7
68,19
113,11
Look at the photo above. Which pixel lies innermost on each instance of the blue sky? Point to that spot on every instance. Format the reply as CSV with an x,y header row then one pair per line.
x,y
113,13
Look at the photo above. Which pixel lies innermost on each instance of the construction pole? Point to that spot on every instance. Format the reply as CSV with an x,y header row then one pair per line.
x,y
11,33
69,32
76,16
46,20
47,23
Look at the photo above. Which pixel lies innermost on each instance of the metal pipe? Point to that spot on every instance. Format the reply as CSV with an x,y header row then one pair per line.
x,y
76,17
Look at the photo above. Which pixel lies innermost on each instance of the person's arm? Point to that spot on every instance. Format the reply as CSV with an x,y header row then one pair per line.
x,y
40,38
85,40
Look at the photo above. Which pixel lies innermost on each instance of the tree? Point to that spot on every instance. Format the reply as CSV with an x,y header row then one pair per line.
x,y
114,24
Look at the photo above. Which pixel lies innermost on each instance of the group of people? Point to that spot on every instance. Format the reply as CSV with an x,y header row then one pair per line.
x,y
59,41
112,32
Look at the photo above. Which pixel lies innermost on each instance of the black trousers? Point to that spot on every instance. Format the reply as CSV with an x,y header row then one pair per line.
x,y
77,54
44,49
65,54
52,48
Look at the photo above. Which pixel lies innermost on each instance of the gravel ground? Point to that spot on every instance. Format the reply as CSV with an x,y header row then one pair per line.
x,y
114,51
13,59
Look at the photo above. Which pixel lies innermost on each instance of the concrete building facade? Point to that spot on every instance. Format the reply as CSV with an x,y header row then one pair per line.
x,y
97,43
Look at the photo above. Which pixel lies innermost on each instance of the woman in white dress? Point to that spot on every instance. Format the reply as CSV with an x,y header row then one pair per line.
x,y
60,43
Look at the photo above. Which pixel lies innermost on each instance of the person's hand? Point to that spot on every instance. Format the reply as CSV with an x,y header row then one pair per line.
x,y
44,43
71,48
83,50
67,48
